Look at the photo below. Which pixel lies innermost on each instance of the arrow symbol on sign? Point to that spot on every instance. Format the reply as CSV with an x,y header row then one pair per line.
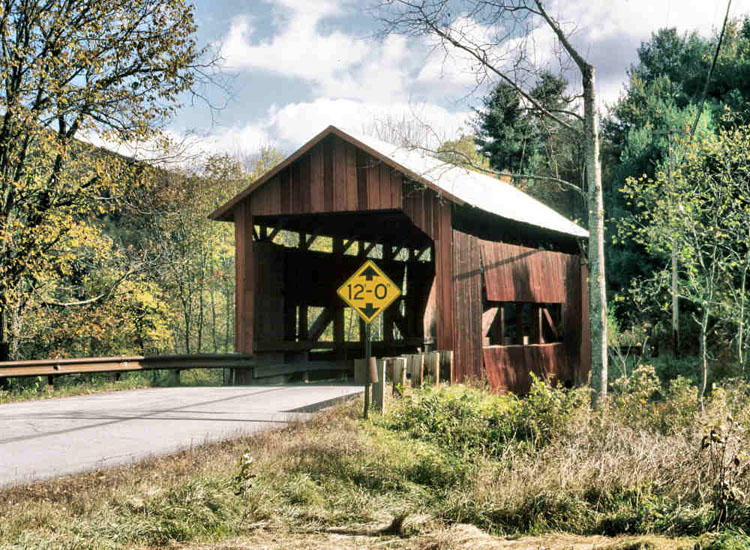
x,y
369,273
369,311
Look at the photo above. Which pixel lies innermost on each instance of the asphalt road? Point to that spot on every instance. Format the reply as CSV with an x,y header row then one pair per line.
x,y
55,437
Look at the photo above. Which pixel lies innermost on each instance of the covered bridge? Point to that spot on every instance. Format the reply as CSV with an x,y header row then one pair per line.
x,y
485,270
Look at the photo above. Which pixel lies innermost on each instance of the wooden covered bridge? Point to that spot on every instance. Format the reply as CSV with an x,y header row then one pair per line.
x,y
485,270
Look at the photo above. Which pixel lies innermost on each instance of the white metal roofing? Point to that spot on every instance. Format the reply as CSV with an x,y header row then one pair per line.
x,y
479,190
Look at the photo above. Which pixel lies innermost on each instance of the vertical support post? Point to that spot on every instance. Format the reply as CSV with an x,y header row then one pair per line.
x,y
446,366
432,366
303,323
389,313
368,352
519,323
290,320
338,309
501,324
399,375
360,372
51,381
378,386
416,369
536,323
361,253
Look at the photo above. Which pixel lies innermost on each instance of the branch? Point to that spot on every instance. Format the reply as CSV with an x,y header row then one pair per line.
x,y
445,35
711,70
74,304
561,111
479,168
583,65
107,294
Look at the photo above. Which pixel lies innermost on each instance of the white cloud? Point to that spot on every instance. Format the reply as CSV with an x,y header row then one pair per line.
x,y
354,81
288,127
298,49
296,123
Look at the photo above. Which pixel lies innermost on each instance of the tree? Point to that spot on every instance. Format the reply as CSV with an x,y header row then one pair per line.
x,y
682,59
194,256
643,137
481,36
462,152
701,215
503,133
72,69
523,141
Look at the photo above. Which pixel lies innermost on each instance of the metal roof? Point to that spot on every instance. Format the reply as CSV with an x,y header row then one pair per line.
x,y
479,190
461,185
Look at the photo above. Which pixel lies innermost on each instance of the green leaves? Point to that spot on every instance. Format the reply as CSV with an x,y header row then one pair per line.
x,y
110,69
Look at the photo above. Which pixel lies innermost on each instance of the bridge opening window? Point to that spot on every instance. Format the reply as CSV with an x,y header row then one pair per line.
x,y
521,323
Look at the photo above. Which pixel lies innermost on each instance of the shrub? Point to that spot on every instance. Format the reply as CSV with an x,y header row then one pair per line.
x,y
729,539
641,402
466,421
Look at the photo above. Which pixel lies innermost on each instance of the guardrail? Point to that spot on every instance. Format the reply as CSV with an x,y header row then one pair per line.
x,y
263,372
124,363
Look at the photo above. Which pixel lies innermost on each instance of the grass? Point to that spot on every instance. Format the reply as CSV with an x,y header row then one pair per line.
x,y
26,389
448,468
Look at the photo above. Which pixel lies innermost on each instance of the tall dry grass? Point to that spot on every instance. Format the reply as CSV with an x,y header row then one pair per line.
x,y
455,455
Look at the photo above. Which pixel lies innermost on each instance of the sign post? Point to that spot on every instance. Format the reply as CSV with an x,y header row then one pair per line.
x,y
369,292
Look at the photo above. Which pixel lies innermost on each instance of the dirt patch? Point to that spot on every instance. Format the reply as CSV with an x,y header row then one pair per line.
x,y
457,537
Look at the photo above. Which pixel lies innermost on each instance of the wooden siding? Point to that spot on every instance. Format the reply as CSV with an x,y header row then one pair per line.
x,y
269,291
434,216
333,176
467,276
510,367
245,279
520,274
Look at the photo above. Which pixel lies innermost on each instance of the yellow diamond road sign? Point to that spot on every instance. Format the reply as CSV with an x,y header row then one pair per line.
x,y
369,291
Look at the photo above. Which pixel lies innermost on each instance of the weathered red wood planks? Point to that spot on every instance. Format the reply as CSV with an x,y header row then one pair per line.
x,y
269,291
444,274
245,277
361,159
339,175
520,274
286,191
422,205
328,183
352,193
467,276
509,368
334,176
317,202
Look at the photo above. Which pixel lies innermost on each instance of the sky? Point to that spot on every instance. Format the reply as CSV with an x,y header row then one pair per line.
x,y
292,67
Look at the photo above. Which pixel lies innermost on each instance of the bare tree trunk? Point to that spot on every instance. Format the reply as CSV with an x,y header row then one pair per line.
x,y
214,320
4,348
741,335
201,303
675,307
704,357
187,314
228,300
675,293
597,287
